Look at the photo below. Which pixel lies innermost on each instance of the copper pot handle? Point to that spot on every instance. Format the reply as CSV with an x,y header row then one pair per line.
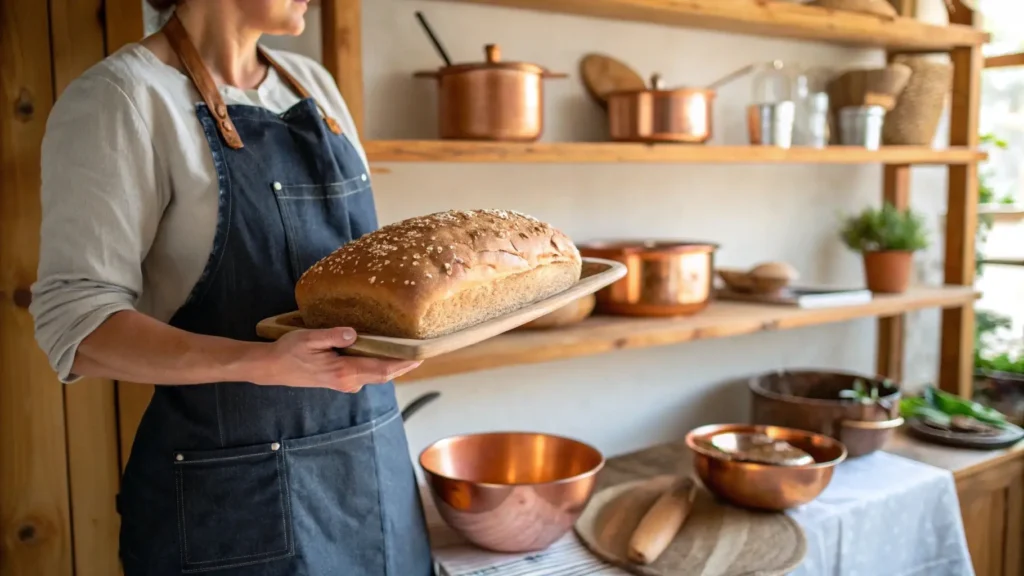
x,y
872,424
554,75
426,74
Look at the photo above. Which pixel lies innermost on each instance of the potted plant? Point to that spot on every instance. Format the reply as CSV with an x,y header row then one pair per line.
x,y
888,238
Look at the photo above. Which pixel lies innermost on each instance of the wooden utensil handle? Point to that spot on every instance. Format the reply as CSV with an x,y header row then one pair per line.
x,y
662,522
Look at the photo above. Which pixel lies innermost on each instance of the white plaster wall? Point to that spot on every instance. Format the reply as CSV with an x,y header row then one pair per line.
x,y
628,399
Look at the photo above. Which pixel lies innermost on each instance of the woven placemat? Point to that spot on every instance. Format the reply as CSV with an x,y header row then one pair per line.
x,y
716,540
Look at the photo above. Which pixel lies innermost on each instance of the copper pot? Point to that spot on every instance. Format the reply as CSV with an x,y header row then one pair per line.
x,y
657,114
809,400
491,100
764,486
511,491
663,277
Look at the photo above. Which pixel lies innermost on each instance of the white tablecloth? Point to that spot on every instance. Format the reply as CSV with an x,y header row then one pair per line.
x,y
882,515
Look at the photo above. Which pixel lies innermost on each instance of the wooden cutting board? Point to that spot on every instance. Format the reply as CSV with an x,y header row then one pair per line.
x,y
597,274
716,540
603,75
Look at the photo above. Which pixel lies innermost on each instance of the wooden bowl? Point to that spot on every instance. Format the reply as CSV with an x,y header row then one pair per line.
x,y
572,313
766,278
765,486
735,279
810,400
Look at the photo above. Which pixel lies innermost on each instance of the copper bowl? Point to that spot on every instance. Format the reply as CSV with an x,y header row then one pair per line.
x,y
663,277
511,491
764,486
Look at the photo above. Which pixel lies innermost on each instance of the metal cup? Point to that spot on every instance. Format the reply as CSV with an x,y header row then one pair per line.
x,y
771,124
861,126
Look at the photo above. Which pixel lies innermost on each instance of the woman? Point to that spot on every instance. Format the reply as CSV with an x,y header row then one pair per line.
x,y
187,182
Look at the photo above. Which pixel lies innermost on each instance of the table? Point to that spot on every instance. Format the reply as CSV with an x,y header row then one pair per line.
x,y
988,484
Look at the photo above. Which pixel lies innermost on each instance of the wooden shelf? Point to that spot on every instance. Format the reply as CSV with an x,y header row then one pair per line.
x,y
614,152
1002,212
767,18
601,334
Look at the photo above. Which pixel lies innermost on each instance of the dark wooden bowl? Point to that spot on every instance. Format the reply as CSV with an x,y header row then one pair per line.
x,y
809,400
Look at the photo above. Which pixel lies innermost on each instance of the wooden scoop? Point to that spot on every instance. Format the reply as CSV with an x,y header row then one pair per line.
x,y
662,522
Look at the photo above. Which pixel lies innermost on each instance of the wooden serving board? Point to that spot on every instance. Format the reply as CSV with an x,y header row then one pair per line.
x,y
716,540
1010,436
597,274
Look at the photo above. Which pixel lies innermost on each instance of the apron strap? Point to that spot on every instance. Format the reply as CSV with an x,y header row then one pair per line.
x,y
207,87
201,79
332,124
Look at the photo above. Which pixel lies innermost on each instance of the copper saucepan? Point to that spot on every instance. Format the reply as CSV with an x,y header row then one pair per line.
x,y
491,100
657,114
663,277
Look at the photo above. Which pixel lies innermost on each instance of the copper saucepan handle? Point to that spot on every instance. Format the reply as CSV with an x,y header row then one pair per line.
x,y
554,75
426,74
873,425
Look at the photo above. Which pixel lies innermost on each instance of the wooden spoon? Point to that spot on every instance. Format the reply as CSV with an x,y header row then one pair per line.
x,y
603,75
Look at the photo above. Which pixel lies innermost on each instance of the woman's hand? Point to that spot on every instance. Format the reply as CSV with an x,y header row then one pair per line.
x,y
307,358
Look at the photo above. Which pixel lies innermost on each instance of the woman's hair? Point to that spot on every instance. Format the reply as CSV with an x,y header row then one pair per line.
x,y
161,5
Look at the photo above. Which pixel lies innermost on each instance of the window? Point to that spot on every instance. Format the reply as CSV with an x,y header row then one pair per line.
x,y
1002,176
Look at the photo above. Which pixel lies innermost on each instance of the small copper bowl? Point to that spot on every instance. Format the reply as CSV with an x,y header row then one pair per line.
x,y
765,486
511,491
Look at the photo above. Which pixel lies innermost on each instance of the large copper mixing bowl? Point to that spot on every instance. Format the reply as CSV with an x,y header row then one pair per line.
x,y
765,486
511,491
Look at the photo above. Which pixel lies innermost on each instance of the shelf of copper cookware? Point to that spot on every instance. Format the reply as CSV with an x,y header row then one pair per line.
x,y
601,334
480,151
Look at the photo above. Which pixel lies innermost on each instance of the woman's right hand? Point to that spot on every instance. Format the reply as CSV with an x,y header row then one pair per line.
x,y
307,358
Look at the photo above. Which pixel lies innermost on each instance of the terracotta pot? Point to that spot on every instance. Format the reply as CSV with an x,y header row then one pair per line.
x,y
888,271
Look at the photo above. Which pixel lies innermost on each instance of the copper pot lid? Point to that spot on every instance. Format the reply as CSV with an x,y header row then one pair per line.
x,y
494,62
648,246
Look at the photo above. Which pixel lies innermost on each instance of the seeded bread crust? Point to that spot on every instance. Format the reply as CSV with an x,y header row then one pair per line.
x,y
433,275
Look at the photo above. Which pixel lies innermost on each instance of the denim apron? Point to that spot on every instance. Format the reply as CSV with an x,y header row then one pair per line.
x,y
238,479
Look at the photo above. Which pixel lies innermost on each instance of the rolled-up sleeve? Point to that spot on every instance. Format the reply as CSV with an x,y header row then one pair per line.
x,y
101,206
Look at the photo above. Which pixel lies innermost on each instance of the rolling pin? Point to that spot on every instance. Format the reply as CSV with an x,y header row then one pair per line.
x,y
662,522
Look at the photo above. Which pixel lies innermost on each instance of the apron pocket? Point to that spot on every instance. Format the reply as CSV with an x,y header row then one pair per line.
x,y
233,507
337,491
318,215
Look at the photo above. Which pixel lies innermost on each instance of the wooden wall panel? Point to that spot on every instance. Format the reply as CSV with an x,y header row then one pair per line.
x,y
123,21
78,42
35,537
342,52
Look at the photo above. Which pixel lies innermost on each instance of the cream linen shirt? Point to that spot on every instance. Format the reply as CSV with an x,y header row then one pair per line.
x,y
129,191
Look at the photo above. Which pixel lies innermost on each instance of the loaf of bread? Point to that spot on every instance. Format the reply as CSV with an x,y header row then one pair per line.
x,y
433,275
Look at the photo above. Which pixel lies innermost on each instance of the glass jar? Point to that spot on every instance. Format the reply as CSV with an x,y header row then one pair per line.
x,y
772,83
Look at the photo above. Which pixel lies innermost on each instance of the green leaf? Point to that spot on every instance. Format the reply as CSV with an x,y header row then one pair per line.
x,y
954,405
887,228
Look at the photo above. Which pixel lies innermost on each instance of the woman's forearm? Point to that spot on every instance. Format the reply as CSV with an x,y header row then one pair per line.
x,y
137,348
